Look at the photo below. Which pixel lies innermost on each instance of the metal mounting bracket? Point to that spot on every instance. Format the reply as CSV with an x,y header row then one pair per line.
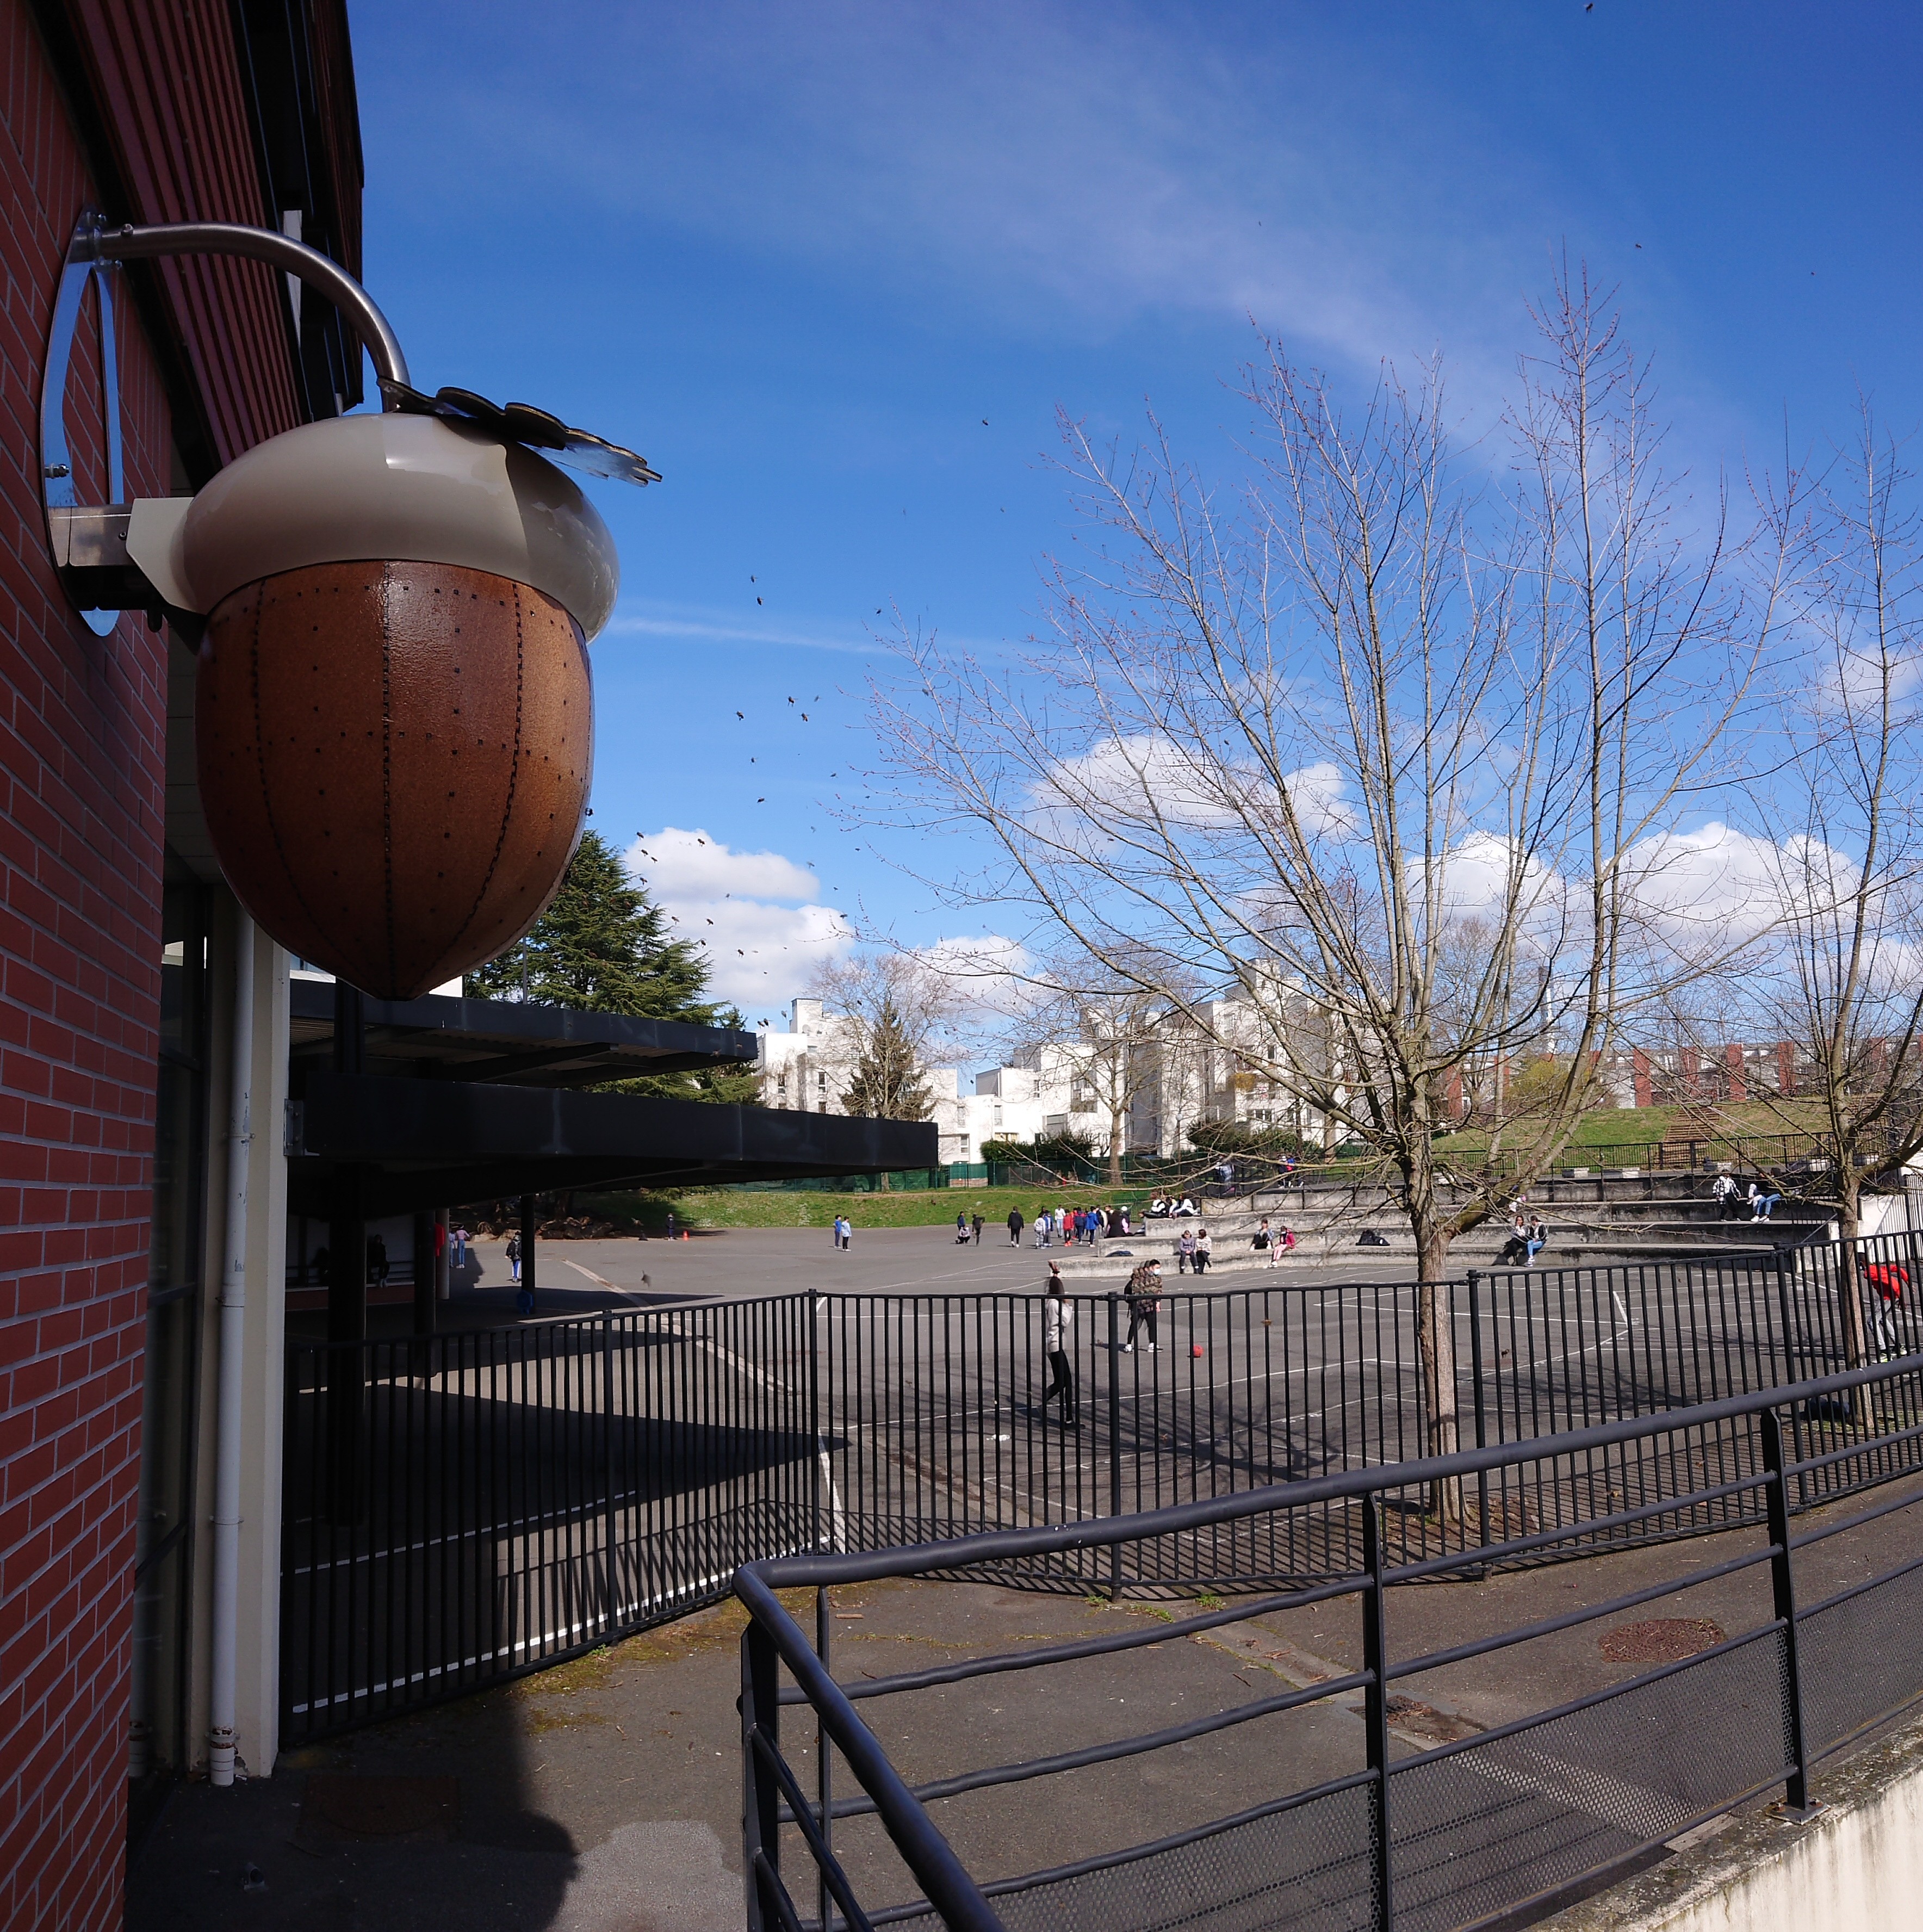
x,y
88,542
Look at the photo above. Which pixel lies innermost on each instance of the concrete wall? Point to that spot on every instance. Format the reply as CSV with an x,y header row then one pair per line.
x,y
1859,1863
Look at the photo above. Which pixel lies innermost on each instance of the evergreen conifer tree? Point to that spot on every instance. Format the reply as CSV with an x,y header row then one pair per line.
x,y
602,946
887,1082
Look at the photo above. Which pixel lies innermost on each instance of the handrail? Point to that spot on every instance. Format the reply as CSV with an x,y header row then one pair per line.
x,y
952,1892
946,1881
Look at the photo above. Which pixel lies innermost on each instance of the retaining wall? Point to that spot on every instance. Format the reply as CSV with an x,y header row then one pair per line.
x,y
1859,1863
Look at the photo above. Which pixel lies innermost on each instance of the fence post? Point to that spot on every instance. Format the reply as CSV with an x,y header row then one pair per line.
x,y
1115,1436
824,1898
1786,1313
1376,1708
1481,1406
607,1460
814,1424
1795,1803
760,1823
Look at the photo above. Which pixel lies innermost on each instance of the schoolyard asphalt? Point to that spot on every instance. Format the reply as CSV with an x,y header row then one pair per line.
x,y
605,1795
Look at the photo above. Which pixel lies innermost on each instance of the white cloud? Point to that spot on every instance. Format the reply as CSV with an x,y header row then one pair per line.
x,y
1134,779
1148,778
988,974
1478,883
1719,882
755,915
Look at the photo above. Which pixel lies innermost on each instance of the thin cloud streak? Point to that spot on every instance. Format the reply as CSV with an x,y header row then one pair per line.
x,y
713,626
1065,172
711,632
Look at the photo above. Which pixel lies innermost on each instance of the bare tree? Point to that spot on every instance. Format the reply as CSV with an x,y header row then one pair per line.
x,y
894,1007
1297,744
1836,863
1105,1031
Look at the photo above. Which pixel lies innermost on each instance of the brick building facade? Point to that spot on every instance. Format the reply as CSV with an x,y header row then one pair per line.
x,y
150,112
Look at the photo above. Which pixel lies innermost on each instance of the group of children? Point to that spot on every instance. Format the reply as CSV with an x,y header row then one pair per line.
x,y
1730,1200
1144,1296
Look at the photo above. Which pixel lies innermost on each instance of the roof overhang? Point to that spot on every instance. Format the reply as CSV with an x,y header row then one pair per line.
x,y
510,1040
441,1143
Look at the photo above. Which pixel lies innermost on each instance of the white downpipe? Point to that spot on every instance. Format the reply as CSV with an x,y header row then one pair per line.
x,y
230,1387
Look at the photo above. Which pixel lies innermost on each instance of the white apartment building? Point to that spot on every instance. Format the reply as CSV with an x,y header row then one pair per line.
x,y
1177,1076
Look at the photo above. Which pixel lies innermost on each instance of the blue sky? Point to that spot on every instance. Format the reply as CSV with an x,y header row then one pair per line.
x,y
797,254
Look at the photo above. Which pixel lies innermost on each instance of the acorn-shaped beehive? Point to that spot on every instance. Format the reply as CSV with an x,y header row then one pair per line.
x,y
394,716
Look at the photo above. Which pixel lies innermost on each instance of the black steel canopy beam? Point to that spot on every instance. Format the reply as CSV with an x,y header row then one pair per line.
x,y
505,1065
663,1046
442,1142
409,1190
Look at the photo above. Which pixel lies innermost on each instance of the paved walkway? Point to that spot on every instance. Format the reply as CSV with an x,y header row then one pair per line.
x,y
604,1795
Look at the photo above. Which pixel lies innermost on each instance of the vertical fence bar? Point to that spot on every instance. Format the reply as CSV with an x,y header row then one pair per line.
x,y
823,1778
608,1501
1479,1401
1115,1436
817,1442
1796,1787
1375,1709
761,1827
1785,1315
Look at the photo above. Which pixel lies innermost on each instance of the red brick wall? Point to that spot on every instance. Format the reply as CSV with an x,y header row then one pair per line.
x,y
82,724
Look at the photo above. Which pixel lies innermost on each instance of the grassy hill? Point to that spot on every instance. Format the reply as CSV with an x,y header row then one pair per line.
x,y
1626,1133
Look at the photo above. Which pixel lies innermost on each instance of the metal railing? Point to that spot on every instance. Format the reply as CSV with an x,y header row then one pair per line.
x,y
1415,1833
1799,1153
462,1508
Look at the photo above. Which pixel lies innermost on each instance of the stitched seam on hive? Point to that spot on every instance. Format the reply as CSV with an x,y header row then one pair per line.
x,y
260,768
387,759
514,773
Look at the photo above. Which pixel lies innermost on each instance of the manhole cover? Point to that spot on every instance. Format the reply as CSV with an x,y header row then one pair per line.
x,y
1660,1640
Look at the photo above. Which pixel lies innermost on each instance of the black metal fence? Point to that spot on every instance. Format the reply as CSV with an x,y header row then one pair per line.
x,y
462,1508
1408,1833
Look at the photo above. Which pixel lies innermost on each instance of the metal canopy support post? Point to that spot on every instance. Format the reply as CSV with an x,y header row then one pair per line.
x,y
425,1270
527,1303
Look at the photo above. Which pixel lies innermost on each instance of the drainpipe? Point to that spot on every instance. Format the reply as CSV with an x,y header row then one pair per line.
x,y
231,1387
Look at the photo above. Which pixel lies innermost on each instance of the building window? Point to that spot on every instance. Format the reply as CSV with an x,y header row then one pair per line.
x,y
822,1107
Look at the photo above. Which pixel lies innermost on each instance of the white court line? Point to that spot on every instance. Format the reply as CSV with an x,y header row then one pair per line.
x,y
837,1519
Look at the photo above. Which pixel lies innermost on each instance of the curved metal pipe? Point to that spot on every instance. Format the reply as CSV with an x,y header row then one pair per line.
x,y
280,251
